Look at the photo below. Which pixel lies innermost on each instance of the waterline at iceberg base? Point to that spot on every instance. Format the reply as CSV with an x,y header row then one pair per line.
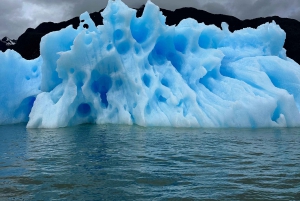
x,y
140,71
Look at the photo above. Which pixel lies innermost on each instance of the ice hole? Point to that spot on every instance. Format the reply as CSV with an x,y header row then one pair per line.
x,y
204,40
146,79
159,52
71,70
118,34
162,99
139,31
84,109
102,86
159,96
109,47
165,82
180,43
156,59
80,79
123,47
86,26
161,47
34,69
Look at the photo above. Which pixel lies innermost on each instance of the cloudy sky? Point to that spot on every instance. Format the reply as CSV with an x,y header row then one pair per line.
x,y
18,15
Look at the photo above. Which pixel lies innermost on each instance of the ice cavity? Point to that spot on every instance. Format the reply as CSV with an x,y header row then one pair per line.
x,y
140,71
19,86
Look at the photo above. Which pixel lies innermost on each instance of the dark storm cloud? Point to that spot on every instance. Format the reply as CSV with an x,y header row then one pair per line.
x,y
263,8
9,23
95,5
215,8
16,16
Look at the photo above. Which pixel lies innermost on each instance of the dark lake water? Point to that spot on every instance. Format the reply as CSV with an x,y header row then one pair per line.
x,y
113,162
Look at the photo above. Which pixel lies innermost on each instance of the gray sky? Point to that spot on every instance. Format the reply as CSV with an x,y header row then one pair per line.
x,y
18,15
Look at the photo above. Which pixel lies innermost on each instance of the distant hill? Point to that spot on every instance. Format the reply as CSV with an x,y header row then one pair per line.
x,y
3,46
28,43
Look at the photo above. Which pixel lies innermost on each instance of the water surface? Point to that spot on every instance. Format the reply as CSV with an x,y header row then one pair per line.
x,y
113,162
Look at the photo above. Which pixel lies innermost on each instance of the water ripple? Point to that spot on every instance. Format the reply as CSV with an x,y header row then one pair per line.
x,y
110,162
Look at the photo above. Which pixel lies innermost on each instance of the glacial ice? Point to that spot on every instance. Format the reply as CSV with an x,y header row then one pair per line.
x,y
140,71
19,85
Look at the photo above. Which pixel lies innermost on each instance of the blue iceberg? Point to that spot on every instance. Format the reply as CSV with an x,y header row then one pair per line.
x,y
140,71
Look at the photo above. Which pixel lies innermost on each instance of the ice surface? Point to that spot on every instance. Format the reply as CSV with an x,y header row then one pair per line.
x,y
140,71
19,85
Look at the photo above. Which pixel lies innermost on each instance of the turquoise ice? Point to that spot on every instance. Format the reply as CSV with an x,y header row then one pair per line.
x,y
140,71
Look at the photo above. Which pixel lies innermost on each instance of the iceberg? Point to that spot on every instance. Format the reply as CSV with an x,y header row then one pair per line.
x,y
140,71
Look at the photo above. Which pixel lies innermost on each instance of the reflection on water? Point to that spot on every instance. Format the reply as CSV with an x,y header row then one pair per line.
x,y
113,162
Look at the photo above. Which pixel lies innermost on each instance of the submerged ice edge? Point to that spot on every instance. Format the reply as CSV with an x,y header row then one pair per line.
x,y
140,71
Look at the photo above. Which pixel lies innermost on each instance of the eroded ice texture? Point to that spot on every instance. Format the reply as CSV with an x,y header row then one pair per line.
x,y
140,71
19,84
